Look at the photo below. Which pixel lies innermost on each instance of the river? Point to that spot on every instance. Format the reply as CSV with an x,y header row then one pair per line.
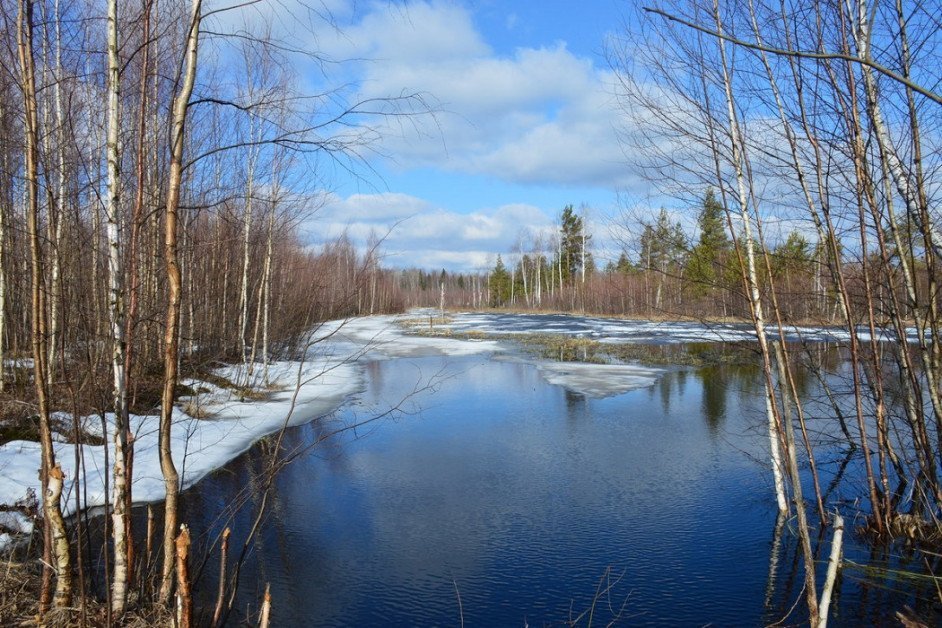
x,y
494,497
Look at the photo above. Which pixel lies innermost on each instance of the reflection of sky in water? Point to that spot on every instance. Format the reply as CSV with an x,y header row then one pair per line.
x,y
523,493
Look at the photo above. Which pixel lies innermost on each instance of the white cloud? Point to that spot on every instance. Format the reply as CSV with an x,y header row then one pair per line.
x,y
536,116
416,233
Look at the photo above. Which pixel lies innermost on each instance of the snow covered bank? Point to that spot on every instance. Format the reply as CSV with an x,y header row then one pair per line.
x,y
385,337
227,426
199,445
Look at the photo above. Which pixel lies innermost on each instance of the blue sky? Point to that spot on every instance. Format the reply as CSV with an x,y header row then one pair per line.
x,y
525,125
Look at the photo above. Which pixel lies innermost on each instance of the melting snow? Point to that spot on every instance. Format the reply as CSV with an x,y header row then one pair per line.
x,y
598,380
327,377
611,330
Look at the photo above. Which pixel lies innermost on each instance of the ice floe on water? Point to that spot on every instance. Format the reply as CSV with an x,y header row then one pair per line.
x,y
598,380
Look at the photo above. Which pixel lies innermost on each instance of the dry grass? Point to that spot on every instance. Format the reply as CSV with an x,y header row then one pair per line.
x,y
20,582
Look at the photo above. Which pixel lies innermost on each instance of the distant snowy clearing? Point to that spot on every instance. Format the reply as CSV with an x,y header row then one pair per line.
x,y
615,331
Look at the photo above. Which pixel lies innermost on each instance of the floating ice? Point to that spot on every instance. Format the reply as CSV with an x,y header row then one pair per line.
x,y
615,331
598,380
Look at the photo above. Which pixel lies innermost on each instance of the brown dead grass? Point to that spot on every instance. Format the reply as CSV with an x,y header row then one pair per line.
x,y
20,580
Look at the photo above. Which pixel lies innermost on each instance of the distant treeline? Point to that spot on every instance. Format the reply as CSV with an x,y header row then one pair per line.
x,y
664,271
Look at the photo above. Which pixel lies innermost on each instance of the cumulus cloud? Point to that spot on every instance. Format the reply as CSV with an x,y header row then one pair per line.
x,y
536,116
417,233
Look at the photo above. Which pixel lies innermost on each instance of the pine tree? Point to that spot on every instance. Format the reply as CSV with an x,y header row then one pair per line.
x,y
624,265
662,250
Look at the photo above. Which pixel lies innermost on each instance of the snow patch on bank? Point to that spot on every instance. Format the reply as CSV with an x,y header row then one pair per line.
x,y
199,445
385,337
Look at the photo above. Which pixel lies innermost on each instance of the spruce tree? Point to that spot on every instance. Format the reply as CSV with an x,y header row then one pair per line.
x,y
500,284
707,258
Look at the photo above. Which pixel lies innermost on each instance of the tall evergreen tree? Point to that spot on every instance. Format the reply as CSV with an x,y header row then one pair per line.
x,y
573,238
500,284
662,251
707,258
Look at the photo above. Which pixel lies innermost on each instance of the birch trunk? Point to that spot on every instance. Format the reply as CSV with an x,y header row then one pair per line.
x,y
134,276
916,207
55,222
172,323
834,563
246,238
755,302
116,316
50,474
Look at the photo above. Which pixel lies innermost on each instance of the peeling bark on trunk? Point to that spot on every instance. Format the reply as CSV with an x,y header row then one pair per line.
x,y
172,323
50,474
184,597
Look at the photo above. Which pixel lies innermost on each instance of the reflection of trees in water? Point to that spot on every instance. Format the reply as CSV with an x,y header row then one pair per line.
x,y
713,399
664,388
575,404
374,376
716,384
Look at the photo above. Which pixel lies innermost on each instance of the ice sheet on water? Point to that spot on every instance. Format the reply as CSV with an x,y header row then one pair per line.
x,y
614,331
598,380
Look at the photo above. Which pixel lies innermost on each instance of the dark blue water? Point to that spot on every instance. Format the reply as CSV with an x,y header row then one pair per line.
x,y
504,501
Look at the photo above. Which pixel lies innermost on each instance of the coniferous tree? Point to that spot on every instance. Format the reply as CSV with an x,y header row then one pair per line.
x,y
708,257
500,284
662,249
573,239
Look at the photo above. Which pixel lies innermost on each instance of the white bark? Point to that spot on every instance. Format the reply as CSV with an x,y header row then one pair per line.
x,y
862,39
739,159
755,298
266,287
778,467
116,317
834,563
246,236
55,222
